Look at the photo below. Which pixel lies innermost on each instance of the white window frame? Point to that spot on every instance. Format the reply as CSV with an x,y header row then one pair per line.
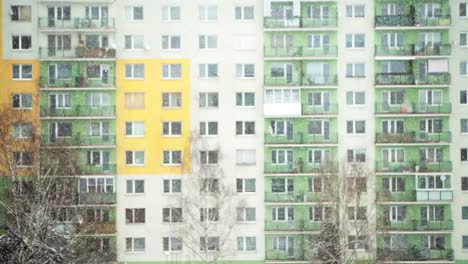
x,y
205,102
133,187
132,249
170,131
19,130
244,181
21,159
205,41
170,241
166,13
325,155
393,156
354,73
204,71
100,125
353,99
353,8
281,243
130,13
169,41
354,127
463,35
21,73
241,71
242,96
171,186
133,132
464,67
392,126
171,162
206,125
169,68
21,18
134,159
204,11
242,214
282,96
434,179
286,153
241,10
20,42
242,244
244,127
357,152
134,39
172,99
131,75
21,99
353,40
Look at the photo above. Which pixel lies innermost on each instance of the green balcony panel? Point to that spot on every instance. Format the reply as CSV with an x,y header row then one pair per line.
x,y
95,198
292,225
79,111
414,225
105,169
411,166
413,108
394,79
301,51
410,21
96,161
76,53
414,50
301,138
79,140
77,24
413,137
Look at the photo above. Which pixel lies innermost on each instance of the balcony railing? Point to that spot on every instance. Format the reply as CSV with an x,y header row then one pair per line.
x,y
294,197
328,108
97,228
77,23
288,254
300,22
79,111
413,166
414,253
78,140
434,78
77,53
292,225
90,169
415,225
434,195
302,138
330,51
297,168
409,79
414,50
387,196
95,198
78,82
306,80
410,21
413,137
413,108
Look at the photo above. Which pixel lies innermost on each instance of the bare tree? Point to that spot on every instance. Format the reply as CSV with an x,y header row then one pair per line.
x,y
208,205
37,195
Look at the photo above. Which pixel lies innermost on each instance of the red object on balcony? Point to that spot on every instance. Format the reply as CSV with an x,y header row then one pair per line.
x,y
403,109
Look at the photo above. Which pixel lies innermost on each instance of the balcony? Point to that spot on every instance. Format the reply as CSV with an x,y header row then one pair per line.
x,y
410,21
299,22
434,195
413,137
78,82
412,108
330,51
292,225
98,169
414,50
79,111
77,53
415,225
413,166
285,255
80,24
306,80
302,138
294,197
414,253
324,109
78,140
97,228
94,198
409,79
288,168
387,196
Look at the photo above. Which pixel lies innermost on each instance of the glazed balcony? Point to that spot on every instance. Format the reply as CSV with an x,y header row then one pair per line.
x,y
414,225
80,24
414,50
98,169
77,53
299,22
79,140
410,21
302,138
413,166
414,254
97,198
442,78
301,51
79,111
292,225
434,195
412,108
413,137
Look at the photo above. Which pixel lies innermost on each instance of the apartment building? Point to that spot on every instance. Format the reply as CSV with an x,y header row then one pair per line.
x,y
150,92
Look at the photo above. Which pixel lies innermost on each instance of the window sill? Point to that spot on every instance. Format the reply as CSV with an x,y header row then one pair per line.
x,y
135,194
135,165
172,165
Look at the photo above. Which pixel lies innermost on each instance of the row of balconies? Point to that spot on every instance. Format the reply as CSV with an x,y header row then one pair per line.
x,y
78,140
77,53
78,111
300,22
88,24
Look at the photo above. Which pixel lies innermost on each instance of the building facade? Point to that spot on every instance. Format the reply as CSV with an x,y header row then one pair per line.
x,y
150,93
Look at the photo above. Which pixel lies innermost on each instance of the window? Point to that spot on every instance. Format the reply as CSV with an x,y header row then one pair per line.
x,y
245,185
431,155
61,100
207,42
245,157
430,125
135,216
244,13
172,157
355,11
96,185
393,155
208,71
172,244
23,159
282,96
22,130
209,243
358,184
357,213
317,213
246,243
134,71
171,100
245,99
245,70
281,156
355,40
135,186
209,185
463,39
319,156
393,184
208,100
280,127
170,42
20,42
355,70
136,158
99,129
172,215
22,71
170,13
134,42
22,101
318,127
314,41
209,128
356,155
356,98
282,185
98,100
464,212
464,97
464,154
134,13
465,242
135,129
463,68
464,125
282,213
209,157
316,184
358,243
463,7
395,213
245,128
96,12
171,71
135,244
93,71
20,13
135,100
94,216
464,183
98,158
283,243
60,129
209,214
356,127
172,128
246,214
172,186
208,13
